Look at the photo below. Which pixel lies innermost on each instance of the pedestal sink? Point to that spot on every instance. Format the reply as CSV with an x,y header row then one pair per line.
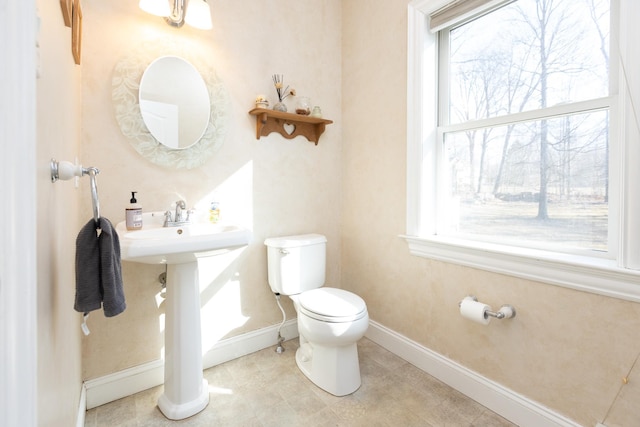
x,y
186,392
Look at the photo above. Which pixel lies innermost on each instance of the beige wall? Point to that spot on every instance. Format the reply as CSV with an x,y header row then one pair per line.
x,y
58,136
285,186
565,349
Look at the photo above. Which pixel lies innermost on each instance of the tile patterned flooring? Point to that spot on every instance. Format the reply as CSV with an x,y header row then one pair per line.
x,y
266,389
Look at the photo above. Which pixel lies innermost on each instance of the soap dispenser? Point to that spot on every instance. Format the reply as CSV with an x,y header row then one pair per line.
x,y
133,214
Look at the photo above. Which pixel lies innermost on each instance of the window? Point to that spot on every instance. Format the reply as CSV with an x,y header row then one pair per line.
x,y
534,180
518,159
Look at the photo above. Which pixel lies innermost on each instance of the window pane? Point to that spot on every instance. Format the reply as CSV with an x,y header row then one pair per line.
x,y
530,184
527,55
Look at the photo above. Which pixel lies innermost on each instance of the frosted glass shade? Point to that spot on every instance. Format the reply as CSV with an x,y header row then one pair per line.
x,y
198,14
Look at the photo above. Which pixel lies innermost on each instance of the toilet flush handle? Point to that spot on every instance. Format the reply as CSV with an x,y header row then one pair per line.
x,y
284,252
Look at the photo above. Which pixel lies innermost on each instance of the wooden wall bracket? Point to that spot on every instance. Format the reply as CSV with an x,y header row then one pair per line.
x,y
288,125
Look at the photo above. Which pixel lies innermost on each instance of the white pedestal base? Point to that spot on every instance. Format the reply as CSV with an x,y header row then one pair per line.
x,y
179,411
186,392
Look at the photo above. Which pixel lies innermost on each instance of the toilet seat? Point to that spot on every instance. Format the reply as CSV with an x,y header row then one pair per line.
x,y
332,305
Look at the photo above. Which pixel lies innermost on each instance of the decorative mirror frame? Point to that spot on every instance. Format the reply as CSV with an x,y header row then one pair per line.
x,y
125,84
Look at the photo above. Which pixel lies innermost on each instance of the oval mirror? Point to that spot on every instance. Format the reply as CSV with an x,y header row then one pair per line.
x,y
174,102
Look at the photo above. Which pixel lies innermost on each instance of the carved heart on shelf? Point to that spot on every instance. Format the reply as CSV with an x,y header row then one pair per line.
x,y
289,128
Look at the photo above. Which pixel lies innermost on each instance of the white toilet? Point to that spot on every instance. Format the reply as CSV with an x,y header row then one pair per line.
x,y
330,320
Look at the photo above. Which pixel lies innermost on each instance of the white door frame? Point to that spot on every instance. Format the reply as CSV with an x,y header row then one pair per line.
x,y
18,170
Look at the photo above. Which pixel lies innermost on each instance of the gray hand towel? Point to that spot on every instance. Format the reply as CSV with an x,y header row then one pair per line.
x,y
98,270
113,302
88,292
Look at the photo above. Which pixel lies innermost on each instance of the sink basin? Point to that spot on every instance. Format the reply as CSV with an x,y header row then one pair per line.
x,y
155,244
186,391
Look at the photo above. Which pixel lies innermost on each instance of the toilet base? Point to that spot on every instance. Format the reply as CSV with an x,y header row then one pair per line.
x,y
336,370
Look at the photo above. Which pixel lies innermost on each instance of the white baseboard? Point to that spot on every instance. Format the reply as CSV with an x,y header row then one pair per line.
x,y
124,383
507,403
248,343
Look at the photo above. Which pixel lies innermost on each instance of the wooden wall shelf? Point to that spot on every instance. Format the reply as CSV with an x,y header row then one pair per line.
x,y
288,125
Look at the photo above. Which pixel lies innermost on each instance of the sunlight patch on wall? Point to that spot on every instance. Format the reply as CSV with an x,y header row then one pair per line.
x,y
220,297
235,195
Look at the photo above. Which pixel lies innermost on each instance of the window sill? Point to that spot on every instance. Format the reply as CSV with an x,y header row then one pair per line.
x,y
595,275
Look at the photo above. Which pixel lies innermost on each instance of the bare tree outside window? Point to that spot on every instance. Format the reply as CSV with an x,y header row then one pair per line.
x,y
539,177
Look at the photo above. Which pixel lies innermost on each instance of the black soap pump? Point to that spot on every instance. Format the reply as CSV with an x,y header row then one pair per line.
x,y
133,214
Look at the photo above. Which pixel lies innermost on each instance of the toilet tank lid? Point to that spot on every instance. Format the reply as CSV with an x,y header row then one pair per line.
x,y
295,241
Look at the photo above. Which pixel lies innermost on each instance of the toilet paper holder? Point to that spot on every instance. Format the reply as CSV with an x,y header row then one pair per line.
x,y
506,311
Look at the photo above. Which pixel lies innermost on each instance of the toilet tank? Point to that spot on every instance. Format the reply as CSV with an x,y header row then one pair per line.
x,y
296,263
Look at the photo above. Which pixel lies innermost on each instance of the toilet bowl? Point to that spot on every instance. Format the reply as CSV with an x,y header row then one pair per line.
x,y
328,353
330,320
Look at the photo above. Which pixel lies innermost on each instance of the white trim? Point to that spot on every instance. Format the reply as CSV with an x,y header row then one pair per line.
x,y
124,383
510,405
82,407
458,18
629,129
18,248
595,275
422,123
578,107
241,345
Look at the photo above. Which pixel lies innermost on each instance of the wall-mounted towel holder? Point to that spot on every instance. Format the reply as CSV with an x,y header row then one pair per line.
x,y
65,170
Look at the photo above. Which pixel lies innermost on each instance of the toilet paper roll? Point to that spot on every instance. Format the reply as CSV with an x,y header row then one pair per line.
x,y
474,310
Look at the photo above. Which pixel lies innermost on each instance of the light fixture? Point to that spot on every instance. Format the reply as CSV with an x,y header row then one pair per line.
x,y
196,13
199,15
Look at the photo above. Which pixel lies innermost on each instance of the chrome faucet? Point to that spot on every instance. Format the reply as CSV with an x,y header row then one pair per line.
x,y
180,205
178,218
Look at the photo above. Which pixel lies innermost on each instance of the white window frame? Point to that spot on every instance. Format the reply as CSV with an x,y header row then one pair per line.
x,y
619,277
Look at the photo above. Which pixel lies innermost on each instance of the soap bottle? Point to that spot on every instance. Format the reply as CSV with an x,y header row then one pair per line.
x,y
214,212
133,214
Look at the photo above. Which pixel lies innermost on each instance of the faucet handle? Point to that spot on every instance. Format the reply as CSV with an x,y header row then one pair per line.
x,y
167,218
